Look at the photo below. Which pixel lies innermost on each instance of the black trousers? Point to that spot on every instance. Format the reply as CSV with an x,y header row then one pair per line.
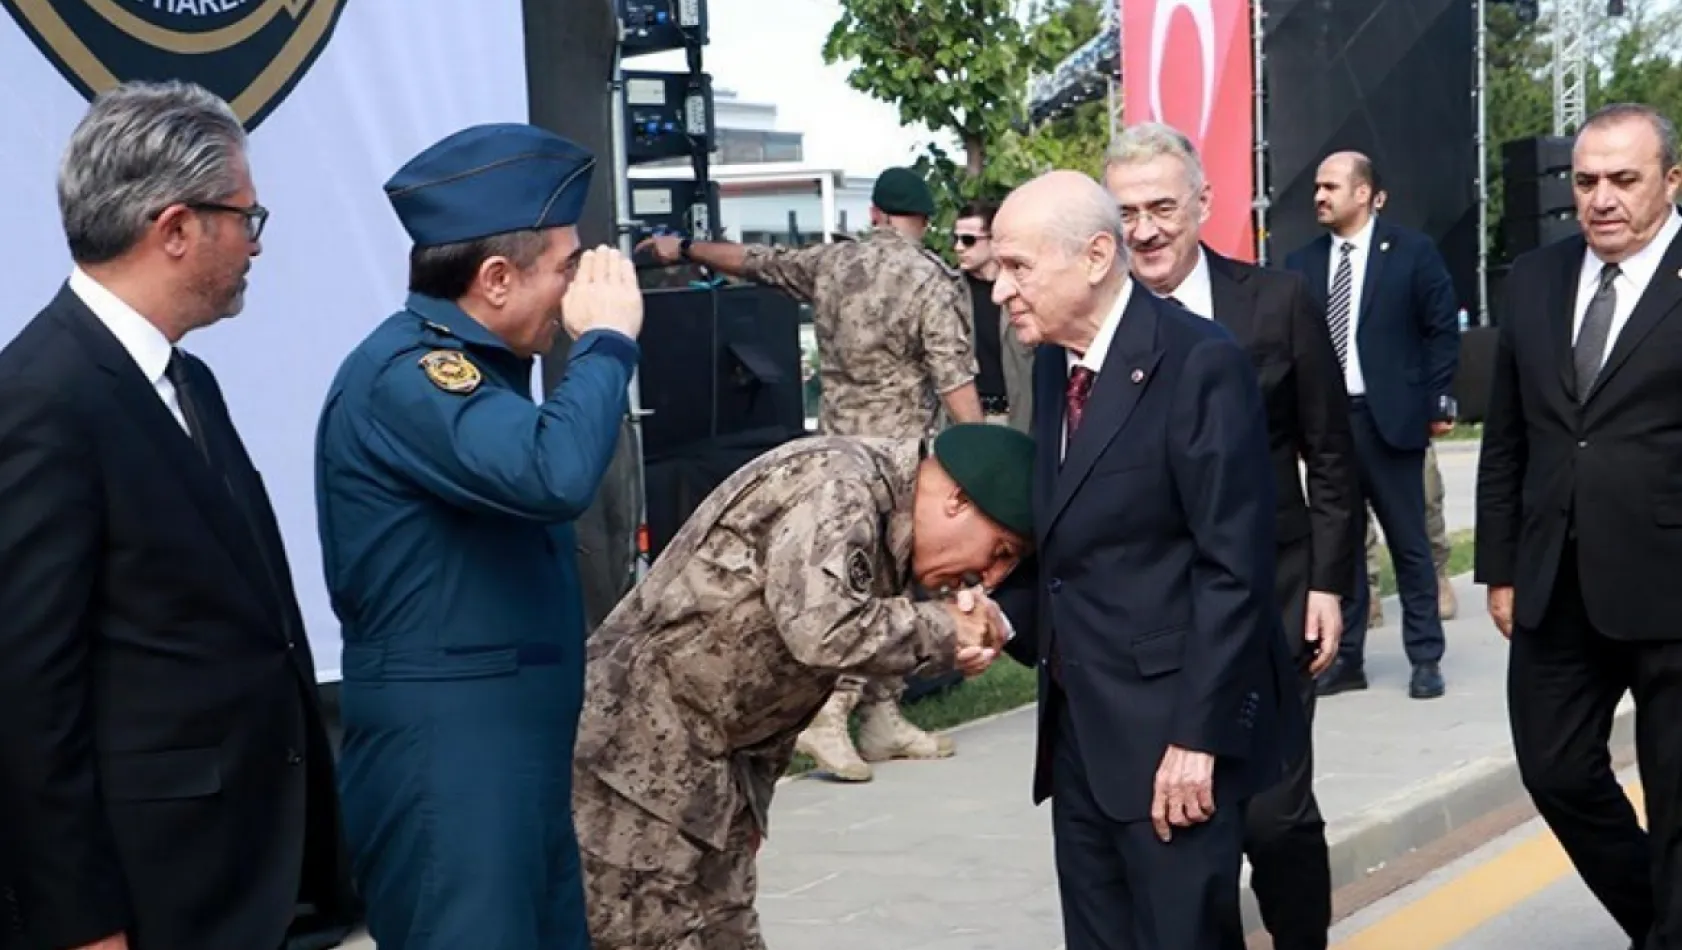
x,y
1393,480
1564,681
1284,833
1121,887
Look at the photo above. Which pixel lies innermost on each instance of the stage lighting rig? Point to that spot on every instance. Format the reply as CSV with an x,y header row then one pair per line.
x,y
656,26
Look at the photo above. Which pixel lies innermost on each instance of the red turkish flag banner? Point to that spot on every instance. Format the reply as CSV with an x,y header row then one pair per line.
x,y
1187,63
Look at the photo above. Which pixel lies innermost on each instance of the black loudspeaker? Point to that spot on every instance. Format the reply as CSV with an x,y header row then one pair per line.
x,y
1519,235
1536,157
1538,197
1477,367
718,362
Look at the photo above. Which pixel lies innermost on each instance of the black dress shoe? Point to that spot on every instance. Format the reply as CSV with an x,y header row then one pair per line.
x,y
1340,677
1427,682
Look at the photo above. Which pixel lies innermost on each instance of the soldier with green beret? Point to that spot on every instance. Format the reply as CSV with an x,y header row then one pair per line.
x,y
896,360
795,571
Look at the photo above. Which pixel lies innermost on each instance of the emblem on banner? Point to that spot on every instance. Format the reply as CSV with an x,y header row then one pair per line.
x,y
250,52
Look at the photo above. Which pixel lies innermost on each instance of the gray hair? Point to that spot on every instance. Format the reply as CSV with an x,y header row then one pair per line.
x,y
1621,111
1148,140
1091,212
142,147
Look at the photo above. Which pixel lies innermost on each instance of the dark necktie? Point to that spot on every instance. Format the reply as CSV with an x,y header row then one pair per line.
x,y
1080,387
185,397
1597,327
1337,305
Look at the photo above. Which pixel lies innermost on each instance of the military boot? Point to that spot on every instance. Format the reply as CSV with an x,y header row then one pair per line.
x,y
884,733
829,743
1447,604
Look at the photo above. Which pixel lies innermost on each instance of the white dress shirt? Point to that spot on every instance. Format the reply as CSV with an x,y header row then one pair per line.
x,y
1352,378
145,343
1633,277
1195,293
1093,358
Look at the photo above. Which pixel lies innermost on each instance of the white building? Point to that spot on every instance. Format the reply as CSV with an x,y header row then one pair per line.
x,y
768,193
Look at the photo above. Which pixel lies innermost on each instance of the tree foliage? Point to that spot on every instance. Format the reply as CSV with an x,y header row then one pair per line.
x,y
961,67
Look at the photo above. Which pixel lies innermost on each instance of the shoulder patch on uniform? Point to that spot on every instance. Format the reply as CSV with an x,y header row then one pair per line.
x,y
450,371
859,572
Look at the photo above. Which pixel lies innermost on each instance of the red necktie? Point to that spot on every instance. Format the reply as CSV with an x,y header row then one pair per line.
x,y
1080,386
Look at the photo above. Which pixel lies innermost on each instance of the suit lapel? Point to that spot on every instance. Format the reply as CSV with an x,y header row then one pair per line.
x,y
1316,267
138,402
1050,378
1128,367
1376,255
1234,296
1562,317
1663,294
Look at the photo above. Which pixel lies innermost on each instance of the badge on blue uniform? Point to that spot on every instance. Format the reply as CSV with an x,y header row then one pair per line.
x,y
450,371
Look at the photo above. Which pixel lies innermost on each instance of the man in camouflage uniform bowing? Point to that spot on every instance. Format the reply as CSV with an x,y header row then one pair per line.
x,y
796,570
893,327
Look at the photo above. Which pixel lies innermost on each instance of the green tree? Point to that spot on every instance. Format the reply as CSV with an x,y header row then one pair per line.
x,y
961,68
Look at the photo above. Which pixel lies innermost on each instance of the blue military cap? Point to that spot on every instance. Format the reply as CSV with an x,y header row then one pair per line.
x,y
491,179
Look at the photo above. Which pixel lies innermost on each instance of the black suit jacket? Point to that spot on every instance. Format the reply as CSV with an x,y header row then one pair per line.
x,y
1609,467
1154,571
163,762
1407,330
1283,328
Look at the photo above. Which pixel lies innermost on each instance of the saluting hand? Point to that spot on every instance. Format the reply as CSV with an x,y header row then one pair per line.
x,y
603,295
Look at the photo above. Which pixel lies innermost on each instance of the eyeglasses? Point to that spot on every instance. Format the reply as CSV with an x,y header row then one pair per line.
x,y
255,216
969,240
1161,212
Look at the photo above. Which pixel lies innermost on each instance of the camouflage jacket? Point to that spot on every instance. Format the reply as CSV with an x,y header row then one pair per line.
x,y
893,329
794,570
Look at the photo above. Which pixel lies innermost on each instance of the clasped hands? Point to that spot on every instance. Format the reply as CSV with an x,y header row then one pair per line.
x,y
981,629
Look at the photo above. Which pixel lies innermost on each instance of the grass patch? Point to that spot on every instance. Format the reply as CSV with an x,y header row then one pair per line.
x,y
1459,560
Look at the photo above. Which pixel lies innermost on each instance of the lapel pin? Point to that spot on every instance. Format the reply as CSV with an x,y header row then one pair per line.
x,y
1138,376
1384,247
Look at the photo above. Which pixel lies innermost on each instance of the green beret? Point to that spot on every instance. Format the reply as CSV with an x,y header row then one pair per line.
x,y
994,465
902,191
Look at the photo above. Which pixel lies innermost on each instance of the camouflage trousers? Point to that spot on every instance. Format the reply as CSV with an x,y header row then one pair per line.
x,y
1435,524
872,689
649,886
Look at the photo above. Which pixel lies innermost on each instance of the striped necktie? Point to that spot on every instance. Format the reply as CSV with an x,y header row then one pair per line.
x,y
1337,306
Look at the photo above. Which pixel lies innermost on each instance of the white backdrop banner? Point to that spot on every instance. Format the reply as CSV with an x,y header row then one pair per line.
x,y
338,94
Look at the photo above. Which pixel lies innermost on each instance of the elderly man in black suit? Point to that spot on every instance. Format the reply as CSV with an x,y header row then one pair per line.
x,y
1579,511
1390,307
166,778
1166,688
1157,179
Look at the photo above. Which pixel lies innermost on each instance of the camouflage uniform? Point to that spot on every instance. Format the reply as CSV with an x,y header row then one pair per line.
x,y
790,573
892,322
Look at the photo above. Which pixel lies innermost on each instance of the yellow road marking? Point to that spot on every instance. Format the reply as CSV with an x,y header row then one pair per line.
x,y
1480,894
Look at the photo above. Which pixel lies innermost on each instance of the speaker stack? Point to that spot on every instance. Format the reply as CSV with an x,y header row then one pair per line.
x,y
1539,206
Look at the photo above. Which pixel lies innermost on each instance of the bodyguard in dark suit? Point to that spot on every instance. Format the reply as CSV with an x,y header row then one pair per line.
x,y
1579,506
165,777
1390,306
1165,685
1157,179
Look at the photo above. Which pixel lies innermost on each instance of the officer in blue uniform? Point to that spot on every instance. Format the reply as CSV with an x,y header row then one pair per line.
x,y
445,496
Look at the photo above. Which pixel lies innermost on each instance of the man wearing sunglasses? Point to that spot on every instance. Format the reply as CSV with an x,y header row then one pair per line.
x,y
1005,378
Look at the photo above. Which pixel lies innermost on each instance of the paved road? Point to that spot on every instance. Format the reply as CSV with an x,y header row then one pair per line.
x,y
1516,891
